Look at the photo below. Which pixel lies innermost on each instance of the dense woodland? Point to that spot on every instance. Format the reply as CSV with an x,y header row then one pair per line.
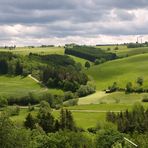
x,y
90,53
131,121
44,130
54,71
136,45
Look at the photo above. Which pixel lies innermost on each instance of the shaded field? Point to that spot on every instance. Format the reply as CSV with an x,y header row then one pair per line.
x,y
80,60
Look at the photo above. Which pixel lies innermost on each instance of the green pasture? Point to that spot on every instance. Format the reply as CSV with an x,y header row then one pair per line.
x,y
123,51
120,71
39,50
85,116
82,119
21,86
101,97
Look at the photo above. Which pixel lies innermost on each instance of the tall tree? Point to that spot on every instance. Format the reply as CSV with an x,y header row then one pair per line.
x,y
3,66
30,121
140,81
87,64
19,68
46,120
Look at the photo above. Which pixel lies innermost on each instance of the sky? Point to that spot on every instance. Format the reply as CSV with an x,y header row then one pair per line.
x,y
38,22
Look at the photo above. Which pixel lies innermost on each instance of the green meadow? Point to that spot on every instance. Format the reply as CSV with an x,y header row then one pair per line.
x,y
121,71
21,86
90,109
39,50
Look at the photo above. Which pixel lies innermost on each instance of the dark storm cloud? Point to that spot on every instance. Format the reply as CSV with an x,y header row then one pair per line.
x,y
18,11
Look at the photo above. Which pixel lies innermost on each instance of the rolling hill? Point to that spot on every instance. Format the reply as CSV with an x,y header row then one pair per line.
x,y
120,71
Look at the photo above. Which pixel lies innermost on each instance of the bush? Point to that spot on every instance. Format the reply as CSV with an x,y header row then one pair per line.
x,y
129,87
23,100
3,102
140,81
113,88
13,110
71,102
68,95
145,98
85,90
107,138
99,61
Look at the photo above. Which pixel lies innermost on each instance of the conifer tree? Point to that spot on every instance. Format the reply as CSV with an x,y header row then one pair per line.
x,y
30,121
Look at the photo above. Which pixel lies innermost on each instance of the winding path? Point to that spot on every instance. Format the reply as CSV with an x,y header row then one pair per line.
x,y
36,80
33,78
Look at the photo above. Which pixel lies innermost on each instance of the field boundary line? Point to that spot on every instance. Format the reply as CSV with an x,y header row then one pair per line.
x,y
94,111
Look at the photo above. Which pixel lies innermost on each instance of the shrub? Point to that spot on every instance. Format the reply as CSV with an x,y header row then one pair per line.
x,y
107,138
140,81
129,87
85,90
116,48
113,88
99,61
145,98
71,102
3,102
13,110
68,95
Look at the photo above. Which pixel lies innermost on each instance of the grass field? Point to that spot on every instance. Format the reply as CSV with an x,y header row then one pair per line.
x,y
117,97
26,50
104,107
93,98
123,51
81,118
85,116
20,86
91,109
120,71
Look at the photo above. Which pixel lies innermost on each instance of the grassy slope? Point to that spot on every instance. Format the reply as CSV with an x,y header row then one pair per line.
x,y
121,71
124,51
93,98
117,97
19,86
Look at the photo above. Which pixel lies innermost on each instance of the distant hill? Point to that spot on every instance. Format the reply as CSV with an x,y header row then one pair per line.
x,y
120,71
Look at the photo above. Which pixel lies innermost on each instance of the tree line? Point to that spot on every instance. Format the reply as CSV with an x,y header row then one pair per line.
x,y
130,121
90,53
54,71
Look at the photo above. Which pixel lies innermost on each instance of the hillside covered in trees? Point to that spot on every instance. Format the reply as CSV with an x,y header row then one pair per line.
x,y
90,53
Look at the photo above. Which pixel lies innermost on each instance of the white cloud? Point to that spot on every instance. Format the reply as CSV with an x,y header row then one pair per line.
x,y
59,22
